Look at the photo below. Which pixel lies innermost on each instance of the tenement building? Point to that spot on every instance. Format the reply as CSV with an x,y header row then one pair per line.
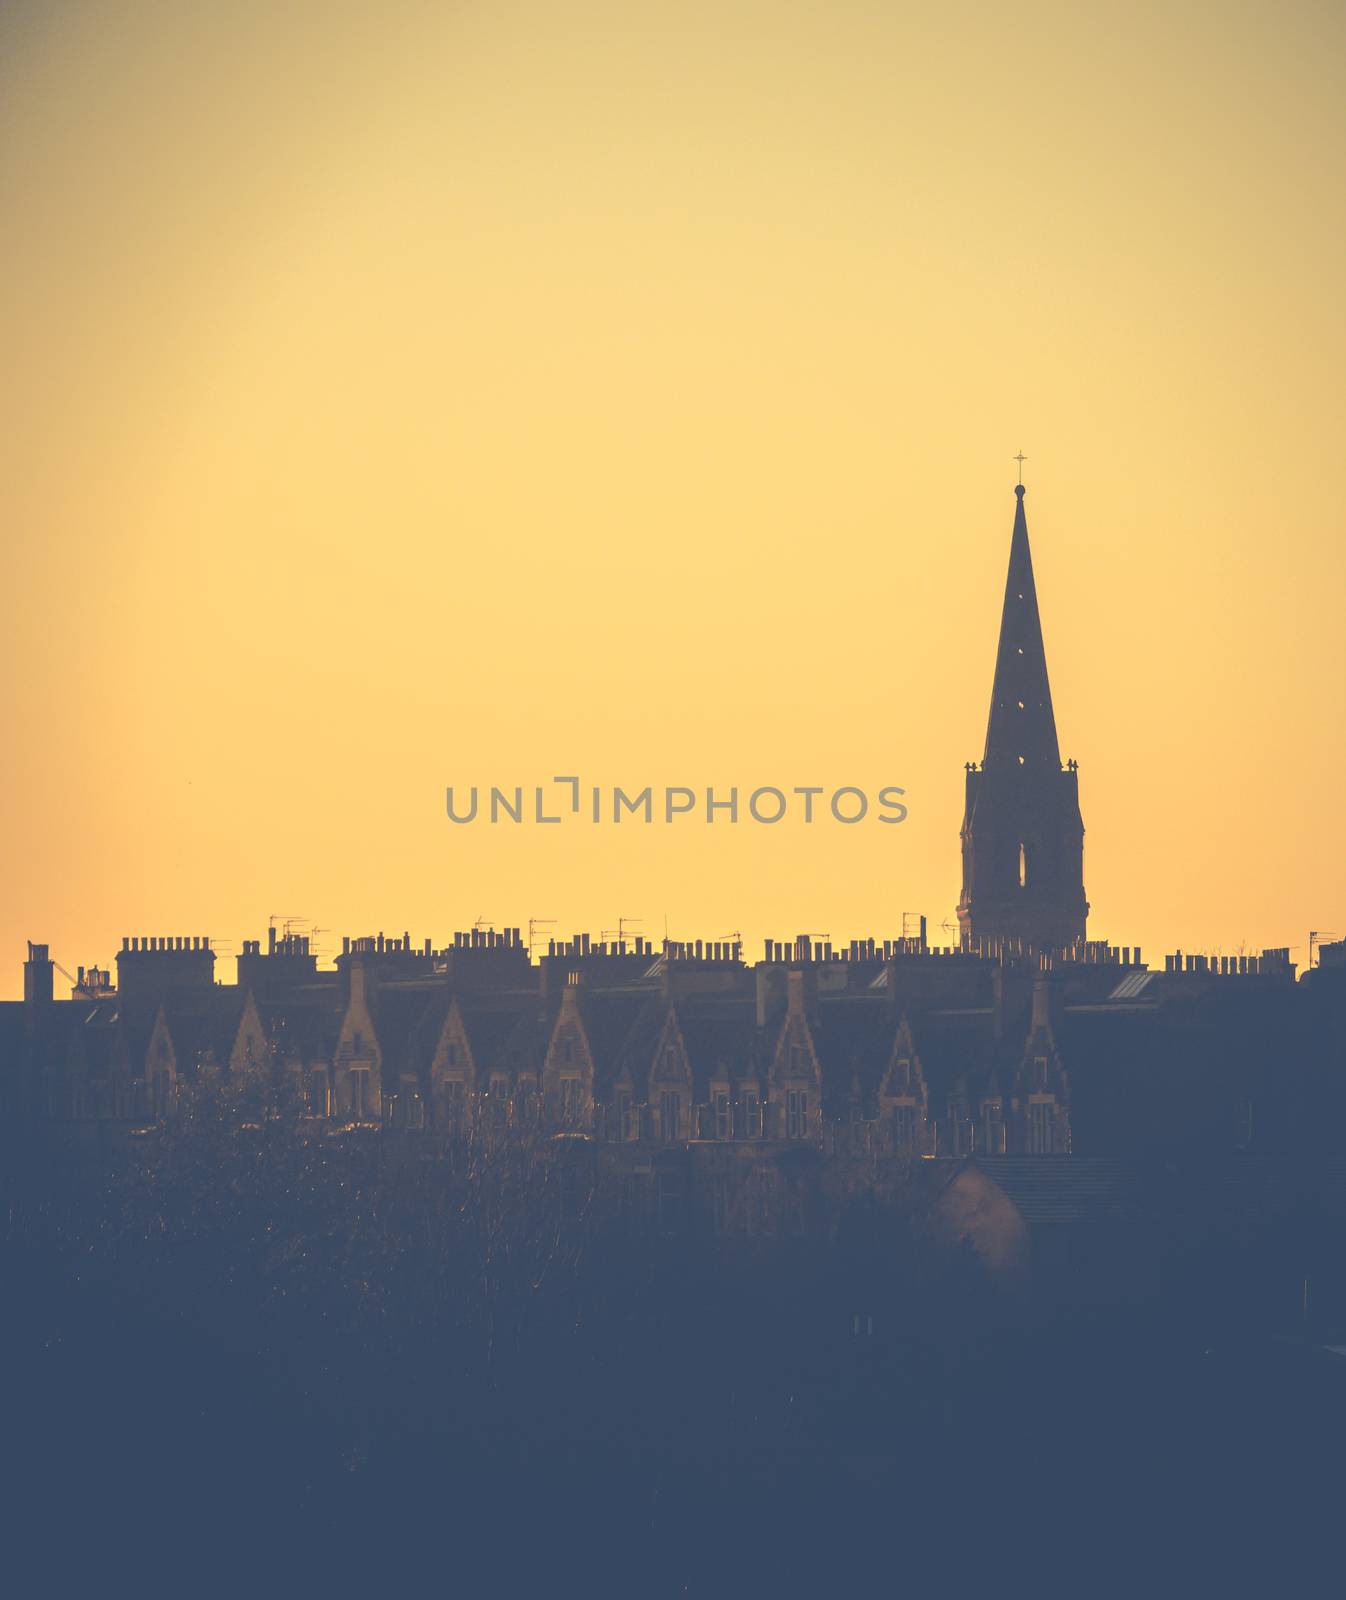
x,y
1022,1044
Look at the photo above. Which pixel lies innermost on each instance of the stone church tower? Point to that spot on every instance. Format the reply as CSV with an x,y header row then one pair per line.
x,y
1023,836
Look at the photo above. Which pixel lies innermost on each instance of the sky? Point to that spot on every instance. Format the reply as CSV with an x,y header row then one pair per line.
x,y
403,394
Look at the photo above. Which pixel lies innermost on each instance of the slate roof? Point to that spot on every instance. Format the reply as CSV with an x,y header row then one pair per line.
x,y
303,1027
201,1023
488,1021
396,1011
723,1042
610,1019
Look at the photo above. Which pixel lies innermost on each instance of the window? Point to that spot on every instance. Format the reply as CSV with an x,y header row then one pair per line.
x,y
361,1099
671,1060
451,1054
904,1129
752,1114
670,1116
1041,1128
626,1114
357,1043
992,1129
1039,1072
567,1051
796,1114
903,1076
570,1101
796,1060
455,1103
724,1127
1023,862
316,1096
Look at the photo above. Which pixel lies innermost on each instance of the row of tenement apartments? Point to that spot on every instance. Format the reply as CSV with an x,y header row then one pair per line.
x,y
894,1047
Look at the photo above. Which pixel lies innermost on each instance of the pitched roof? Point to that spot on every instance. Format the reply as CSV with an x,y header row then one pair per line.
x,y
396,1011
1021,729
304,1026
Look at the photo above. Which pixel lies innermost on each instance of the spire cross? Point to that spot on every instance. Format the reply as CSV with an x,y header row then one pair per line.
x,y
1021,458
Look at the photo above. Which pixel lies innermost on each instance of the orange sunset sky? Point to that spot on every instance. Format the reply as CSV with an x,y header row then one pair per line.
x,y
403,394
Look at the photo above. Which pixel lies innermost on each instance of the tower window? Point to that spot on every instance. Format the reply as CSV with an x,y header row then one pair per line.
x,y
1021,761
1023,862
1021,705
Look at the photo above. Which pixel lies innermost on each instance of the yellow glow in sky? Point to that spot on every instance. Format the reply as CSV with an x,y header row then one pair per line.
x,y
409,394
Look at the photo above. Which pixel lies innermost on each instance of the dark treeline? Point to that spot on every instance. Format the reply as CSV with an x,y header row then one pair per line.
x,y
344,1358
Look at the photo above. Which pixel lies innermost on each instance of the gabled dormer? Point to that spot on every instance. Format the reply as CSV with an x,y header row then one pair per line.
x,y
1038,1119
670,1089
904,1096
161,1067
568,1067
453,1072
250,1054
795,1074
357,1075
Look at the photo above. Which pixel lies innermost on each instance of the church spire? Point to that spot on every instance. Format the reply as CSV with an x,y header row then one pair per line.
x,y
1023,836
1021,729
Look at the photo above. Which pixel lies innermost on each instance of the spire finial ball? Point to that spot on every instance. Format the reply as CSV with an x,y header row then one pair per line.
x,y
1019,490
